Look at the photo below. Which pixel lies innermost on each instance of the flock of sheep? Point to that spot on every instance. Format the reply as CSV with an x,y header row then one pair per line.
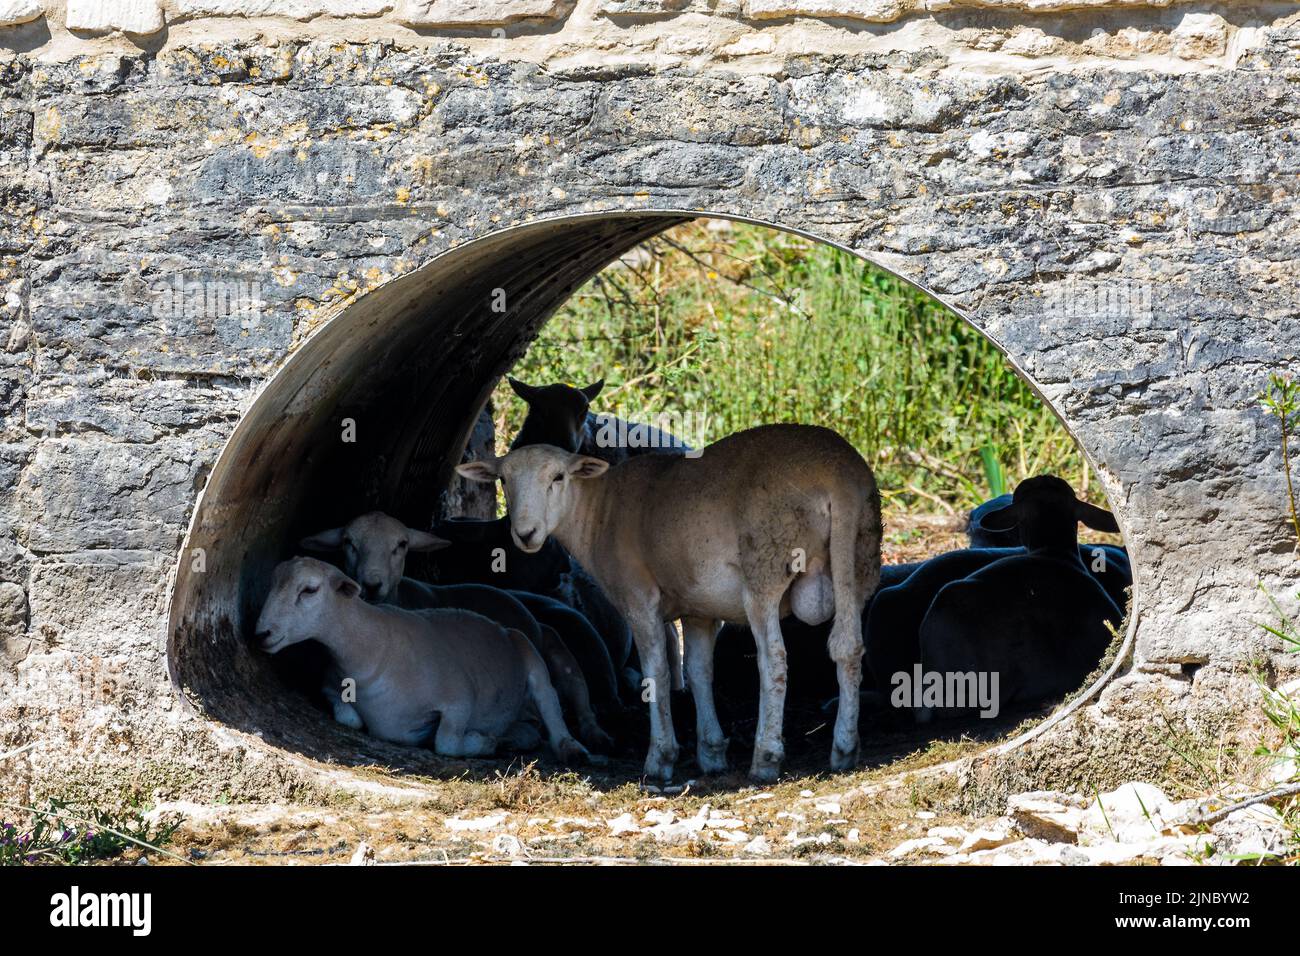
x,y
560,613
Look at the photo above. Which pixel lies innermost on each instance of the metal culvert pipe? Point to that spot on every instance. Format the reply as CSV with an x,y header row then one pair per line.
x,y
410,365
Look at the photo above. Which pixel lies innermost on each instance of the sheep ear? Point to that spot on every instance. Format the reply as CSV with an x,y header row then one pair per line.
x,y
1098,519
484,471
347,587
1002,519
584,466
592,390
522,389
423,541
325,541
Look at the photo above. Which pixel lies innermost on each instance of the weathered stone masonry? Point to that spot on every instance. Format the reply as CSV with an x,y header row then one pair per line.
x,y
224,186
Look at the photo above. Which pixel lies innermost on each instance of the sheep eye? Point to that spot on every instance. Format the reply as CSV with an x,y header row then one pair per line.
x,y
309,589
558,478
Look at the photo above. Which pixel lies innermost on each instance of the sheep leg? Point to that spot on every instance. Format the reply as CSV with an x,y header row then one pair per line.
x,y
347,715
855,574
344,713
711,744
769,742
475,744
674,655
571,687
845,646
542,694
450,738
652,647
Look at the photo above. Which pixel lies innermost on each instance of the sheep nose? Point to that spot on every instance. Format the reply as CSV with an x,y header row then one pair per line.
x,y
372,588
526,536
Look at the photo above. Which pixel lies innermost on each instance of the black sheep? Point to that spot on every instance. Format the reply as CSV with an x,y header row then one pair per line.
x,y
1039,621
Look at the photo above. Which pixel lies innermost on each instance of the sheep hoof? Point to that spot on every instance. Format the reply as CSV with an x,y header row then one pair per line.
x,y
347,715
712,757
842,759
766,768
659,765
571,753
596,740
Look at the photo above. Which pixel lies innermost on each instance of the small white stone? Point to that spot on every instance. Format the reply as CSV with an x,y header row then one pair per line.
x,y
14,12
873,11
140,17
293,9
364,855
624,823
462,13
758,846
919,845
947,834
751,44
987,838
1200,35
1133,813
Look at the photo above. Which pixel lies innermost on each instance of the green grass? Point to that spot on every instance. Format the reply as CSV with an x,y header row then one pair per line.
x,y
61,835
728,326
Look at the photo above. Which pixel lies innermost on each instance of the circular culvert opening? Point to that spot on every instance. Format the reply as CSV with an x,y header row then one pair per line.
x,y
402,373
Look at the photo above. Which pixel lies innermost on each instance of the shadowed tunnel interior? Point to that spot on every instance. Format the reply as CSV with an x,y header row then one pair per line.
x,y
410,364
371,413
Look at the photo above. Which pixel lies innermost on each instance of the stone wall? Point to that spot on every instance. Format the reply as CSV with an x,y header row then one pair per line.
x,y
196,192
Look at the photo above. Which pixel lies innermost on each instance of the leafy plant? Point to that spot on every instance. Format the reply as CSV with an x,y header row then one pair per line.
x,y
57,834
994,473
740,325
1282,399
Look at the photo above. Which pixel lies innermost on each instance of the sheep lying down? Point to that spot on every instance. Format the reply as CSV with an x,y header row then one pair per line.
x,y
447,679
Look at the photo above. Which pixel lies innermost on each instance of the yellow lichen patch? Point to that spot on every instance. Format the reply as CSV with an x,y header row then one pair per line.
x,y
403,195
51,123
284,275
260,147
